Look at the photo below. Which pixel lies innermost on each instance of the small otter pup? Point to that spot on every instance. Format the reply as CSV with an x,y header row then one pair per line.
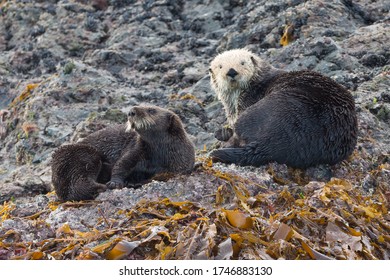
x,y
298,118
153,141
75,172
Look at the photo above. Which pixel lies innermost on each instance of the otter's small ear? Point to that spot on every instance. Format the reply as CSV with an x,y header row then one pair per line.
x,y
175,127
253,61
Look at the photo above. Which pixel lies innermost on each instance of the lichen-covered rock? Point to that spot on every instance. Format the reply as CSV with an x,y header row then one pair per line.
x,y
68,68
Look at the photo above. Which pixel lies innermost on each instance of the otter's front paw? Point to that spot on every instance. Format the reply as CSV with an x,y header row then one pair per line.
x,y
101,188
115,184
224,134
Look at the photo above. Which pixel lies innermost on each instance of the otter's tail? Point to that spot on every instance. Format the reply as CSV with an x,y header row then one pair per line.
x,y
248,155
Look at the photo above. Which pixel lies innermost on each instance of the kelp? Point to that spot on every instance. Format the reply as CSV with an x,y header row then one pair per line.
x,y
26,93
287,36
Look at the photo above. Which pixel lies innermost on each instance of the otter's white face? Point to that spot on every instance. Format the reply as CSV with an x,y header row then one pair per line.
x,y
232,70
148,119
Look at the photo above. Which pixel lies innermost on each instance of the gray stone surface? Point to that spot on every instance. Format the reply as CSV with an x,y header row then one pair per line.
x,y
92,63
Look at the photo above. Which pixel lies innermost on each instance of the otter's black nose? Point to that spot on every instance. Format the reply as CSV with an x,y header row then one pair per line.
x,y
132,112
232,73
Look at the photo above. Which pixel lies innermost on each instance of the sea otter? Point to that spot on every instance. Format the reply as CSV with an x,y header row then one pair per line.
x,y
153,141
75,172
299,118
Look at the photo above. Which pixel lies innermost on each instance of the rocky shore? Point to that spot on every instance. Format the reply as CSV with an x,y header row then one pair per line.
x,y
68,68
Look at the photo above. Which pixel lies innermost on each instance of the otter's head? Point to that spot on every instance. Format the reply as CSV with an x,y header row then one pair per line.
x,y
149,120
234,69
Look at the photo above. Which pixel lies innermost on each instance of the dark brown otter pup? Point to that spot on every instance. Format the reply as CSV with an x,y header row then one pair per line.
x,y
153,141
75,172
298,118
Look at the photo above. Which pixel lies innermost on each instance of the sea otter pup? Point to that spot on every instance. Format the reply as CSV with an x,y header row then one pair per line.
x,y
75,172
153,141
298,118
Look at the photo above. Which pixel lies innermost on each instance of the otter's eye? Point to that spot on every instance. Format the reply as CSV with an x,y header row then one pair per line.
x,y
210,70
242,62
151,111
220,66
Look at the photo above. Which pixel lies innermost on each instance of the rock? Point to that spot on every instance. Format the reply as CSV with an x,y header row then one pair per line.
x,y
373,60
23,188
91,60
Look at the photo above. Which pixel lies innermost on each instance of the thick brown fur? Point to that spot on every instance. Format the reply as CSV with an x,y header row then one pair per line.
x,y
152,142
299,118
75,172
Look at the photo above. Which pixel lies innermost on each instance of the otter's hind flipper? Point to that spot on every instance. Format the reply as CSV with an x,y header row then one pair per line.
x,y
247,155
227,155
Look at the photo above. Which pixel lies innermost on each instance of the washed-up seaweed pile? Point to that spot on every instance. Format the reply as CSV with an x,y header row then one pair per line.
x,y
332,220
71,67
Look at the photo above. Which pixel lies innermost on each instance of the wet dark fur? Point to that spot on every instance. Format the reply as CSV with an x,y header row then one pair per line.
x,y
257,90
249,96
301,119
123,158
75,172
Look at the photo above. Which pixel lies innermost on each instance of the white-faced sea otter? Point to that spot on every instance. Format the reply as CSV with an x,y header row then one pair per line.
x,y
299,118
